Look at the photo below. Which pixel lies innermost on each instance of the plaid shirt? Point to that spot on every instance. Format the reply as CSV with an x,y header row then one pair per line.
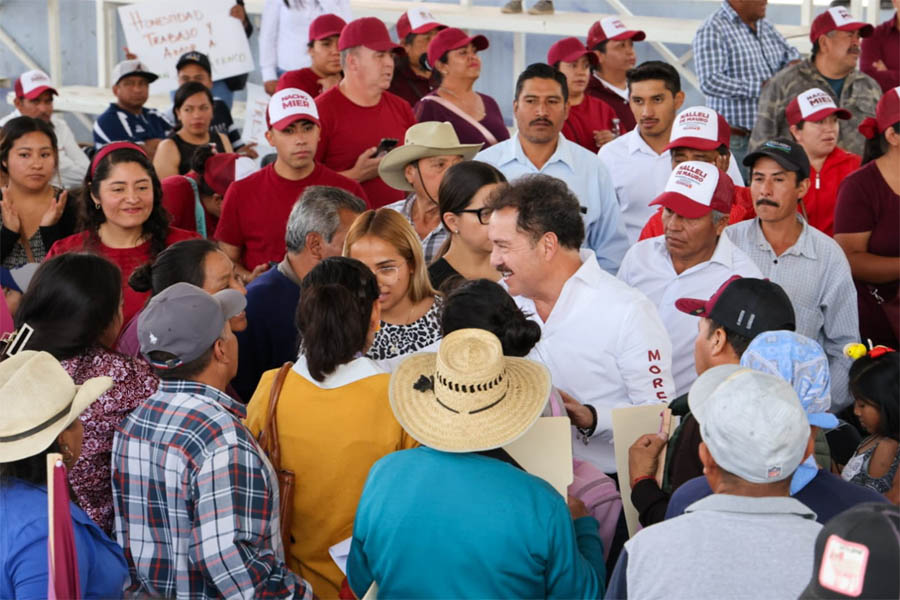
x,y
434,240
732,62
196,501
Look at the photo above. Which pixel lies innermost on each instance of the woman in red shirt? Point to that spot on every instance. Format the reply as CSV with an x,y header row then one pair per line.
x,y
124,217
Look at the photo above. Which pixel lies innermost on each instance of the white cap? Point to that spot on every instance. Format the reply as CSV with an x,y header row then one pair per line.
x,y
132,67
695,188
32,84
289,105
700,128
419,17
752,422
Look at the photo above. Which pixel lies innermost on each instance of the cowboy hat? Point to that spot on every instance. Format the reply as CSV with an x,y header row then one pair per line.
x,y
468,397
40,402
422,140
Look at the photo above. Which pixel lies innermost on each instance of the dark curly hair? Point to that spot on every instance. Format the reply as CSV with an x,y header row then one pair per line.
x,y
156,225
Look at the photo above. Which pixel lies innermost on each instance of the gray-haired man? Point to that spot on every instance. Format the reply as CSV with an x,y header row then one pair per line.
x,y
316,229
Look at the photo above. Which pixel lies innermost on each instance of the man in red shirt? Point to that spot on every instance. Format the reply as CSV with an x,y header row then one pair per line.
x,y
325,71
613,45
591,120
359,112
256,209
813,119
700,133
415,28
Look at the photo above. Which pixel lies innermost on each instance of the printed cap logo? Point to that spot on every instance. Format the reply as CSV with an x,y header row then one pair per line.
x,y
777,146
841,16
814,100
418,17
843,567
613,26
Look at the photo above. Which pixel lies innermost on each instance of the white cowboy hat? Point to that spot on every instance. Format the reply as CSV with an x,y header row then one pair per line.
x,y
422,140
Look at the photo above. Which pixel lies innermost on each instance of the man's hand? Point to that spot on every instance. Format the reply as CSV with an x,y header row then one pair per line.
x,y
602,138
879,65
366,166
722,161
270,86
580,415
248,150
129,55
53,213
577,508
248,276
643,455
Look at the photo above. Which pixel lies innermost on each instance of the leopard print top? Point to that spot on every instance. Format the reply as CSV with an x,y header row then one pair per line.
x,y
392,340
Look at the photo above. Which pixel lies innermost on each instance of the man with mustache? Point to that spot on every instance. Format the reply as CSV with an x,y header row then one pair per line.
x,y
808,264
540,107
831,67
692,259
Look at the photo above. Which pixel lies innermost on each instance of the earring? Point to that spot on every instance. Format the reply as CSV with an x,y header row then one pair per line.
x,y
456,232
97,205
68,458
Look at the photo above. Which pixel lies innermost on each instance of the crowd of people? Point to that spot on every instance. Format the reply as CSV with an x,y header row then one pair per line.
x,y
301,376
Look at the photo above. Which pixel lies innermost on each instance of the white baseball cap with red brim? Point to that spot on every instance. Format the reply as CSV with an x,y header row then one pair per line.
x,y
837,18
289,105
416,21
813,105
612,28
700,128
32,84
695,189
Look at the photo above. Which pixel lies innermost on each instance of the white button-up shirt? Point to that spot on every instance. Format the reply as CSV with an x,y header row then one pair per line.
x,y
586,177
639,175
73,162
605,345
648,267
815,274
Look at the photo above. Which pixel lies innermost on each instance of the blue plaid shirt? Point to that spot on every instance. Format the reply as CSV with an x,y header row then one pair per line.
x,y
732,62
196,501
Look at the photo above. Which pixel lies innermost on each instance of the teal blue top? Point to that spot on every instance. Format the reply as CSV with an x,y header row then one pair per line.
x,y
433,524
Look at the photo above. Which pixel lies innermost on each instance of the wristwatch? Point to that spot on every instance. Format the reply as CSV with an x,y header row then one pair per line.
x,y
585,433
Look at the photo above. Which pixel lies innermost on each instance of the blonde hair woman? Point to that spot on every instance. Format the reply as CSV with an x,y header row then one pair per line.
x,y
385,242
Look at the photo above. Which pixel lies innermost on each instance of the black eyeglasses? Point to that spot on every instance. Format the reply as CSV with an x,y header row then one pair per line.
x,y
483,213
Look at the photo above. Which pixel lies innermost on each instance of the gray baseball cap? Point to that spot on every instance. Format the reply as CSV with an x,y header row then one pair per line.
x,y
185,321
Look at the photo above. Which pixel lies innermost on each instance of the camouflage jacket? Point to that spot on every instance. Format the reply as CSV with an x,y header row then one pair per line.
x,y
859,95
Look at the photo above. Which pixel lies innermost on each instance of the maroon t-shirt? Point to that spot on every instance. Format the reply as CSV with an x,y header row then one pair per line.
x,y
428,110
591,115
865,202
407,84
621,107
348,129
256,210
303,79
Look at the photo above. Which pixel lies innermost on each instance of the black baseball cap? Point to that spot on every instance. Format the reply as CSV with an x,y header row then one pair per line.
x,y
857,553
787,153
198,58
746,306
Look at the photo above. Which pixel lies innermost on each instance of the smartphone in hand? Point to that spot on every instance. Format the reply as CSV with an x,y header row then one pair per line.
x,y
384,146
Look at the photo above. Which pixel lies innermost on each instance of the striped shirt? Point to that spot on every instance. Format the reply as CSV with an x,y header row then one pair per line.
x,y
119,125
815,274
432,242
732,62
196,501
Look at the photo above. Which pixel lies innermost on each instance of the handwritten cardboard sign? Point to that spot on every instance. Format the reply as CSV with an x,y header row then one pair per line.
x,y
159,32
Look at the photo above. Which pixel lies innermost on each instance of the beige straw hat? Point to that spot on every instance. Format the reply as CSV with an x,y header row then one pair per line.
x,y
40,400
430,138
468,397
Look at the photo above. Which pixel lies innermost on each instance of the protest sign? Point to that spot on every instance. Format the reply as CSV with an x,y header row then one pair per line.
x,y
159,32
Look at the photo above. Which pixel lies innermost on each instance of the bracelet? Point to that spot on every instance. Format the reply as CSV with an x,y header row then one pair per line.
x,y
639,479
587,432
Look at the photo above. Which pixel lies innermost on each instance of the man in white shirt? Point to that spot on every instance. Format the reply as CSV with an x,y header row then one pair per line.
x,y
640,161
692,259
34,98
540,109
602,340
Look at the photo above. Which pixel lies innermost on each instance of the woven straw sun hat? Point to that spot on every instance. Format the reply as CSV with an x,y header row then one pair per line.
x,y
468,397
40,400
430,138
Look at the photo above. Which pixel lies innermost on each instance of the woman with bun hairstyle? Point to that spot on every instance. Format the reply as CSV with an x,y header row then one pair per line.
x,y
333,416
33,212
123,215
73,307
461,199
199,262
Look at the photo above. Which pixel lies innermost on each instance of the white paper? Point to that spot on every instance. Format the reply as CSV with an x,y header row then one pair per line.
x,y
255,115
340,552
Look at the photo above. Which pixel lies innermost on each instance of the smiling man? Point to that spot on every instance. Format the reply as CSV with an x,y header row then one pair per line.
x,y
808,264
832,67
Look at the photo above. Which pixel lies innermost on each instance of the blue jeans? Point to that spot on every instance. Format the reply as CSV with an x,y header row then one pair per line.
x,y
739,149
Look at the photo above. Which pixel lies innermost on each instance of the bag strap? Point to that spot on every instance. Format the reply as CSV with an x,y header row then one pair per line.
x,y
485,133
268,437
199,213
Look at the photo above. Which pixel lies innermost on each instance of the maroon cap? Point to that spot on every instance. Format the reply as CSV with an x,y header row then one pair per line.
x,y
887,113
700,128
32,84
695,189
569,49
369,32
813,105
325,26
224,168
837,19
451,39
416,21
611,28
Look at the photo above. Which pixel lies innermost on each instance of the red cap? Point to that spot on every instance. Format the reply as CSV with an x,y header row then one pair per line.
x,y
289,105
416,21
813,105
32,84
611,28
695,189
112,148
369,32
887,113
223,169
569,49
700,128
325,26
177,191
840,19
451,39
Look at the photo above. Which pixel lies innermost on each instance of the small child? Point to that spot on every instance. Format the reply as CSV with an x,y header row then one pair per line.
x,y
875,385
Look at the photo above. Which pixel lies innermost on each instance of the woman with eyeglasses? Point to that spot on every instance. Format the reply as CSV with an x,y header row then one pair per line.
x,y
462,196
385,242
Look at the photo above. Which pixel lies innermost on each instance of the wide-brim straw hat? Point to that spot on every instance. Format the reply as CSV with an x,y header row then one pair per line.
x,y
40,401
468,397
423,140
